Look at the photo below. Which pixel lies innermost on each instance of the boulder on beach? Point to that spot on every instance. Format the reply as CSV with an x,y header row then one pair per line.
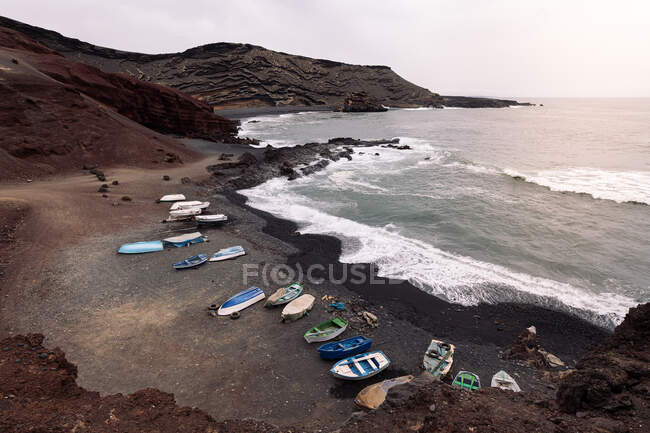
x,y
526,348
360,102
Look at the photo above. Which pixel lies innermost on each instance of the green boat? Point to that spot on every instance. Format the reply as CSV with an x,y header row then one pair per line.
x,y
326,330
466,380
284,295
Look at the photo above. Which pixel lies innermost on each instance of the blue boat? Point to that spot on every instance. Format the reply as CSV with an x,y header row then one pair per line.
x,y
141,247
361,366
345,348
191,262
241,300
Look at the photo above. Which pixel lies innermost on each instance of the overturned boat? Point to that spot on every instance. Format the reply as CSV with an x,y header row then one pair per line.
x,y
299,307
184,240
189,204
172,197
241,300
190,212
141,247
210,219
373,396
228,253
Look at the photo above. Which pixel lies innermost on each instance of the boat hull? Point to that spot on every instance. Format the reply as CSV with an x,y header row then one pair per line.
x,y
298,307
240,301
330,351
438,358
362,366
227,253
141,247
325,335
192,262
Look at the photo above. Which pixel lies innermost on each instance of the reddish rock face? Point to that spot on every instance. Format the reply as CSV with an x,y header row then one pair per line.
x,y
56,115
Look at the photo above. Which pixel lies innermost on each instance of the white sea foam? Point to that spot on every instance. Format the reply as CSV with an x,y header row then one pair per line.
x,y
461,279
619,186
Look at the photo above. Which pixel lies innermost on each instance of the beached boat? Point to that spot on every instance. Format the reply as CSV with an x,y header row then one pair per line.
x,y
361,366
191,262
326,330
466,380
439,357
184,240
284,295
211,219
227,253
373,396
345,348
189,204
504,381
141,247
298,307
241,300
172,197
186,212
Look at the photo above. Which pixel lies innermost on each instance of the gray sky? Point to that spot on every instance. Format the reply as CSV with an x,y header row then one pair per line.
x,y
495,48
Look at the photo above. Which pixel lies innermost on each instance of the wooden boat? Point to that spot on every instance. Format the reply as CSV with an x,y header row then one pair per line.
x,y
504,381
184,240
373,396
284,295
172,197
298,307
141,247
326,330
189,204
361,366
345,348
191,262
227,253
466,380
186,212
210,219
241,300
439,357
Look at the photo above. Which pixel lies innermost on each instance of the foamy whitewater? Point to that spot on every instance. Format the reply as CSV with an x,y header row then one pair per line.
x,y
542,205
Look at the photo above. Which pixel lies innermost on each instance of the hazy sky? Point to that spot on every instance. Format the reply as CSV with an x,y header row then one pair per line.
x,y
495,48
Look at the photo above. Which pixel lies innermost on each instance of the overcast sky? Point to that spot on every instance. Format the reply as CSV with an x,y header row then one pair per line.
x,y
494,48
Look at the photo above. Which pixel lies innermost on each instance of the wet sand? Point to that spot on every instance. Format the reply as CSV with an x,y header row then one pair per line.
x,y
131,322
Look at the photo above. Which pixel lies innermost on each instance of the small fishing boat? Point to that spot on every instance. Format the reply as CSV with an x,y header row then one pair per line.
x,y
439,357
172,197
361,366
345,348
191,262
241,300
141,247
179,205
284,295
326,330
186,212
184,240
227,253
298,307
466,380
374,395
211,219
504,381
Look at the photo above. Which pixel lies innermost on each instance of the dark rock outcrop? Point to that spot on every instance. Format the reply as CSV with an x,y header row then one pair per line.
x,y
615,375
360,102
228,75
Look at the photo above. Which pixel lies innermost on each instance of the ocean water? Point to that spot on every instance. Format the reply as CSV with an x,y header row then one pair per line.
x,y
545,205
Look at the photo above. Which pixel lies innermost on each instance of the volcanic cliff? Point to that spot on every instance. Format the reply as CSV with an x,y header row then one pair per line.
x,y
229,75
57,115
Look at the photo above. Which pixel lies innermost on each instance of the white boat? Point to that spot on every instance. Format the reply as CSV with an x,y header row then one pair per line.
x,y
172,197
297,308
241,300
503,380
211,219
186,212
189,204
227,253
184,240
361,366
